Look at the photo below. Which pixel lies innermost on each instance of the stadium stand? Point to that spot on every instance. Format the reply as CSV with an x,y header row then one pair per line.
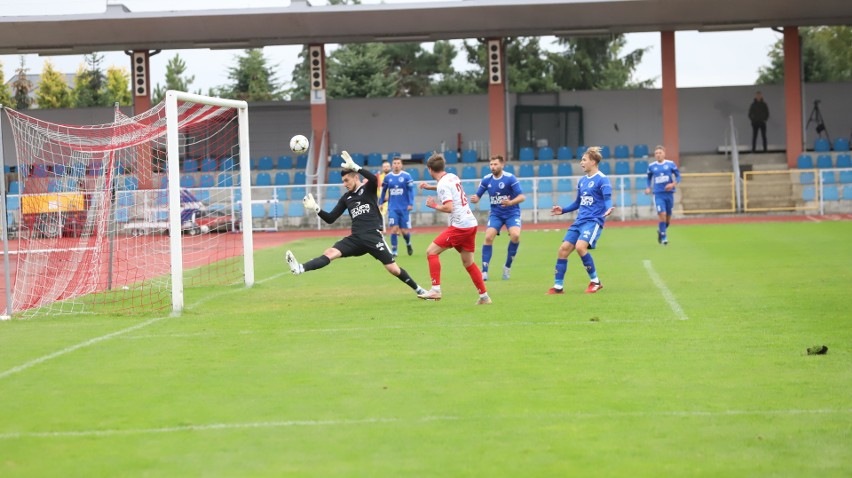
x,y
564,153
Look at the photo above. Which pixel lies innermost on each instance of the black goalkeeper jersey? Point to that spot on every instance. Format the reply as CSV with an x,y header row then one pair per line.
x,y
362,204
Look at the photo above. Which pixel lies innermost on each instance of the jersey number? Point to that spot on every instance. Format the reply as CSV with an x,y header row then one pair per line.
x,y
461,192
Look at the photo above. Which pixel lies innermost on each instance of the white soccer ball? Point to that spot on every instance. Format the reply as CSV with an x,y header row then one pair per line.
x,y
299,144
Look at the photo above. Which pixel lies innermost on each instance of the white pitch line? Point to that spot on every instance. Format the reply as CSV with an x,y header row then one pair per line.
x,y
424,419
667,294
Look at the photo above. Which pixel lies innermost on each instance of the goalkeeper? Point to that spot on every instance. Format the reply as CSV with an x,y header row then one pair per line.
x,y
361,200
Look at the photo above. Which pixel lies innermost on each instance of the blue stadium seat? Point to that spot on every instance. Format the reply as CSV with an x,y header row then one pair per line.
x,y
846,177
224,180
545,201
841,144
605,168
78,170
53,186
824,161
605,152
451,170
208,165
265,163
807,178
358,158
805,161
564,169
469,156
526,154
640,150
227,164
564,185
187,181
299,177
483,171
828,177
622,167
263,179
821,145
207,181
545,153
415,173
124,198
298,192
333,192
295,209
526,171
830,193
282,178
164,181
190,166
131,183
329,204
13,203
281,194
847,193
545,170
627,199
619,181
285,162
202,195
809,193
564,153
844,161
509,168
258,211
622,151
565,199
451,156
392,155
468,172
545,186
643,199
581,150
96,168
640,167
302,161
526,185
374,159
15,187
276,210
122,215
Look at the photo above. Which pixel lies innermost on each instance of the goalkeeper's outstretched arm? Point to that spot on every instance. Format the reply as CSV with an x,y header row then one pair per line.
x,y
331,216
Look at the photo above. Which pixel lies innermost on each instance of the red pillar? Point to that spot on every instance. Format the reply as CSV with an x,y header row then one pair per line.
x,y
497,99
319,106
793,94
671,132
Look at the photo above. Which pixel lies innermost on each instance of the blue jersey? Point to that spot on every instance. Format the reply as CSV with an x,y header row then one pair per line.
x,y
660,174
592,195
401,189
506,186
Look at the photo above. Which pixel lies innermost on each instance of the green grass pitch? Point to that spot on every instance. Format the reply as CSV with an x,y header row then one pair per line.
x,y
343,372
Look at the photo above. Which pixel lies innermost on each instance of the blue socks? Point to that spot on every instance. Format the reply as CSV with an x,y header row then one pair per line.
x,y
486,257
510,256
394,241
589,264
561,267
407,238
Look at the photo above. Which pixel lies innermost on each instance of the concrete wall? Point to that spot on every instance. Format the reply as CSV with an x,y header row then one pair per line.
x,y
423,124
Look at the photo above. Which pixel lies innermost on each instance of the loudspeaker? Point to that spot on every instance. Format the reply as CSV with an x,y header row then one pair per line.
x,y
140,67
495,62
315,64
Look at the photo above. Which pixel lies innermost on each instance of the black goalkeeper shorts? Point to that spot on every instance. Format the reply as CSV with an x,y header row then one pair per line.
x,y
371,243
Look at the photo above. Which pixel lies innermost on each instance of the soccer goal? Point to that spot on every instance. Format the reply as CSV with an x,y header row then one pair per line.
x,y
124,216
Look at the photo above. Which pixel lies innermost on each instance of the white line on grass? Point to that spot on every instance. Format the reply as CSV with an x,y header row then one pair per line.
x,y
425,419
667,294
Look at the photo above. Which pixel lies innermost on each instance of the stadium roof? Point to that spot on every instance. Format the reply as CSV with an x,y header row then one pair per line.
x,y
120,29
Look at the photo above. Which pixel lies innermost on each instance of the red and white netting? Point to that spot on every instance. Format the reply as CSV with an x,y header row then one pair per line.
x,y
94,210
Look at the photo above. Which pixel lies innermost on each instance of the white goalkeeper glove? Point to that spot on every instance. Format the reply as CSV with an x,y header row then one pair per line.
x,y
310,204
348,163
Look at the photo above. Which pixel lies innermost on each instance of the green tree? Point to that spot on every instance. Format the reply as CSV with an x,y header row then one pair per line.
x,y
5,94
596,63
117,86
53,91
826,57
22,87
300,88
89,84
361,70
176,79
252,79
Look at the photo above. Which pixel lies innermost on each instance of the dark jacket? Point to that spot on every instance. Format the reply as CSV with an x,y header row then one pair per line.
x,y
758,112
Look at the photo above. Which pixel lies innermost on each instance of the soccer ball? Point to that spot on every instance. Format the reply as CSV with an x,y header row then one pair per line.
x,y
299,144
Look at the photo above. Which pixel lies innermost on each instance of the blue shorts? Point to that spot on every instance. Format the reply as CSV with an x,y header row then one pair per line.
x,y
664,202
588,231
497,222
401,218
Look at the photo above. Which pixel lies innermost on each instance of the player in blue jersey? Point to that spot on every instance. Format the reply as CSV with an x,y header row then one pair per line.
x,y
399,187
504,189
662,178
594,204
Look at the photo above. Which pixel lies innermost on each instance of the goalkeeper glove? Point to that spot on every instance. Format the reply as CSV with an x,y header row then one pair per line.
x,y
310,204
348,163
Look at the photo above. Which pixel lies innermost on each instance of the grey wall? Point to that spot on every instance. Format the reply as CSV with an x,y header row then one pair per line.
x,y
413,125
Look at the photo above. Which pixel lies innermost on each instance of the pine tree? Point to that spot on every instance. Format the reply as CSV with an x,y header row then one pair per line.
x,y
22,87
117,87
5,94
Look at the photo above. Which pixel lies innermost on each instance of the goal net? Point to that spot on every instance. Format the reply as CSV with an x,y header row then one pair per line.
x,y
123,216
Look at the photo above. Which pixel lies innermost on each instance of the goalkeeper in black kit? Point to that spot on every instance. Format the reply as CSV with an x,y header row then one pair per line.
x,y
361,199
